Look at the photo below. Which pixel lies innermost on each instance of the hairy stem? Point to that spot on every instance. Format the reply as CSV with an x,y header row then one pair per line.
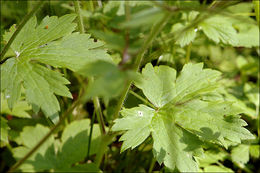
x,y
19,28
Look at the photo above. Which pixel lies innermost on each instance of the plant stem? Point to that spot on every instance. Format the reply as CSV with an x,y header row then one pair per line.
x,y
37,146
80,21
187,59
90,133
152,165
19,28
99,115
91,80
141,98
156,29
257,108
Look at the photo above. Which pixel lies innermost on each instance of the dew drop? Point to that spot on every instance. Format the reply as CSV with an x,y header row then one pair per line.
x,y
140,113
196,29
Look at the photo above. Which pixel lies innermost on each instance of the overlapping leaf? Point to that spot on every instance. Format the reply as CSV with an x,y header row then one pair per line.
x,y
52,43
219,28
4,132
188,111
56,155
106,73
19,110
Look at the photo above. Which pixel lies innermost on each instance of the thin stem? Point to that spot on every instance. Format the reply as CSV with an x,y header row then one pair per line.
x,y
141,98
19,28
37,146
152,165
187,59
257,108
91,131
80,21
99,115
95,100
157,28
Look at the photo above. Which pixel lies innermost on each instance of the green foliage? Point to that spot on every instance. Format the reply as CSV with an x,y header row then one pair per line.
x,y
4,132
176,116
59,155
188,111
40,44
109,80
20,108
240,154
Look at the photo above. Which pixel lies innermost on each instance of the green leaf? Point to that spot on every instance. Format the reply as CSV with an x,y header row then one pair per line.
x,y
219,28
63,53
214,121
184,38
19,109
109,81
212,156
158,84
252,93
29,137
52,43
64,155
173,145
214,168
137,123
254,151
240,154
145,17
4,131
10,82
187,107
32,36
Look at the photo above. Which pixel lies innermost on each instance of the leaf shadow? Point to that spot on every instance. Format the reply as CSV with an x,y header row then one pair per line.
x,y
191,141
72,151
208,134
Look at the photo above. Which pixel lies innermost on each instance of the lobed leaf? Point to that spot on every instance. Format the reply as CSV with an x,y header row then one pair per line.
x,y
52,43
188,111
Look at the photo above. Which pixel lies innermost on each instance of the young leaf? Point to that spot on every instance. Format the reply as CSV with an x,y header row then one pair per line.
x,y
186,110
